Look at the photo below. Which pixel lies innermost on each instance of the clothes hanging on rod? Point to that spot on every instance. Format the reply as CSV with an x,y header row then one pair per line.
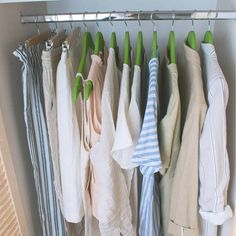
x,y
122,146
112,204
50,60
184,197
213,157
68,118
169,136
147,156
52,221
126,157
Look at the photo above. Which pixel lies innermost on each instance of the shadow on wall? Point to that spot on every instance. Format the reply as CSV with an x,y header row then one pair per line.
x,y
11,102
225,38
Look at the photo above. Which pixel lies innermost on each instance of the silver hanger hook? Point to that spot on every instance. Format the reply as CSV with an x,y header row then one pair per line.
x,y
153,23
71,21
98,29
55,22
209,21
192,19
125,14
110,19
139,20
173,21
85,25
37,26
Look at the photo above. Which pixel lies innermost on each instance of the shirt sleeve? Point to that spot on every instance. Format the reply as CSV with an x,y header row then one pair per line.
x,y
214,162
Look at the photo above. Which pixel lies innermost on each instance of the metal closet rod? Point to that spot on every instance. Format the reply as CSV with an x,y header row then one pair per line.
x,y
129,16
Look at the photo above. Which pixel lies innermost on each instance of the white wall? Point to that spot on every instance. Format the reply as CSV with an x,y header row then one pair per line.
x,y
11,103
181,28
225,41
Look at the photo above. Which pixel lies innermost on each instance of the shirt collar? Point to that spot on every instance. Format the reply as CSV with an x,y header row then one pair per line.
x,y
192,55
209,50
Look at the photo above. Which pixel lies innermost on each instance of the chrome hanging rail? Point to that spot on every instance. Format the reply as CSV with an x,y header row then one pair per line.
x,y
129,16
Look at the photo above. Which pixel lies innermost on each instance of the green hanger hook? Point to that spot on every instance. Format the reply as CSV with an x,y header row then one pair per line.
x,y
191,39
208,37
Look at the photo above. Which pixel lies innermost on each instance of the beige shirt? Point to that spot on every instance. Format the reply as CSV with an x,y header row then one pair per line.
x,y
169,138
91,131
184,199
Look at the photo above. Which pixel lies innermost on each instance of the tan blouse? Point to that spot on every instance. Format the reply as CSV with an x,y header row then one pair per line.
x,y
184,200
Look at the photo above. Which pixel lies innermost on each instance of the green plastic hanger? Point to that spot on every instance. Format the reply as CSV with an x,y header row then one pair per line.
x,y
154,45
127,49
98,50
88,89
208,37
191,40
113,44
87,43
99,41
99,44
171,47
140,50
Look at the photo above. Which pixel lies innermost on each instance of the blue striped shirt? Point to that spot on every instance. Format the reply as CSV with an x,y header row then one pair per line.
x,y
147,155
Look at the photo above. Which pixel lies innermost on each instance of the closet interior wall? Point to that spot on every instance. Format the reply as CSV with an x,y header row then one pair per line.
x,y
11,103
225,38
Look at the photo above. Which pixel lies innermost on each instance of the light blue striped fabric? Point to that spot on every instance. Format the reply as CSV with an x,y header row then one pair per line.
x,y
51,218
147,155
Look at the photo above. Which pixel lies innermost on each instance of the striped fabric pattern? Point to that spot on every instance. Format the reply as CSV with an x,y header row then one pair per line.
x,y
147,155
51,219
214,171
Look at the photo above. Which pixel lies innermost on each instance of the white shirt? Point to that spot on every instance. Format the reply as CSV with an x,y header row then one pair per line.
x,y
69,136
123,146
214,162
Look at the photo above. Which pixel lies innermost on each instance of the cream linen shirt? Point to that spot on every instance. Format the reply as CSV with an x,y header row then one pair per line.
x,y
50,60
184,214
169,138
